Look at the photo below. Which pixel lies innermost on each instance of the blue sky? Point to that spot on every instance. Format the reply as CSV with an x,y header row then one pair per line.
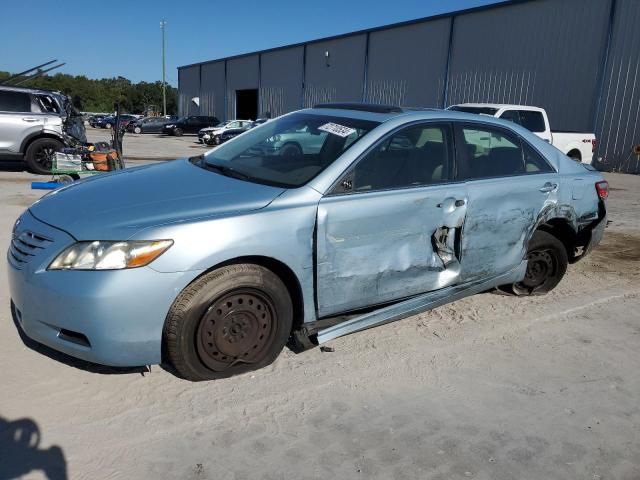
x,y
117,37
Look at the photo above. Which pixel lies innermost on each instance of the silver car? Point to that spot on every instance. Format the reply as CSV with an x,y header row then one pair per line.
x,y
34,124
213,263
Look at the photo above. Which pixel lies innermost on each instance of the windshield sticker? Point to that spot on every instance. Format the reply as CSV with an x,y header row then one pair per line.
x,y
336,129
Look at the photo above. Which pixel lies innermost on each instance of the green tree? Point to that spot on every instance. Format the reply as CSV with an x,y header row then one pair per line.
x,y
101,95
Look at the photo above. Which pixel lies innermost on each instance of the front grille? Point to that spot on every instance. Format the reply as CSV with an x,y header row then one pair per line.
x,y
26,246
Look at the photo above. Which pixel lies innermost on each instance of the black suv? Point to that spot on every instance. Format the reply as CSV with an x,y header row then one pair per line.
x,y
191,124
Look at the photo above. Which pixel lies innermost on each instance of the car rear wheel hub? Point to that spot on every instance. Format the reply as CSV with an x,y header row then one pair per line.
x,y
540,266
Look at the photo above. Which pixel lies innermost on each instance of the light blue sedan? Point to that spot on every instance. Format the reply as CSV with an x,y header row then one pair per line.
x,y
213,263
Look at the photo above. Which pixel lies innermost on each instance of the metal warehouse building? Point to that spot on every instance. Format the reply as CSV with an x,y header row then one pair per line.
x,y
579,59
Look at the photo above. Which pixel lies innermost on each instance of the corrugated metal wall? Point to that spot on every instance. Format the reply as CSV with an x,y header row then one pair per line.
x,y
542,53
406,65
242,74
338,77
281,81
618,116
189,87
549,53
212,89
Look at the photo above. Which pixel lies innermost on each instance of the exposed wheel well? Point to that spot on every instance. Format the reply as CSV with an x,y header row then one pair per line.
x,y
575,154
30,140
285,274
563,231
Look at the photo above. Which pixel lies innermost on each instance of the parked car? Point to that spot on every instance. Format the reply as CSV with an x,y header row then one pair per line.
x,y
213,135
149,125
577,146
110,121
217,260
94,119
293,143
192,124
232,133
34,124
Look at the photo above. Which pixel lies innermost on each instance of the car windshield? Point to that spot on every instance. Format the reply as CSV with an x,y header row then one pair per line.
x,y
288,151
478,110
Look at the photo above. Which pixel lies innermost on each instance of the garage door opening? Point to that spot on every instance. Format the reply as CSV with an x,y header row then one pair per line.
x,y
247,104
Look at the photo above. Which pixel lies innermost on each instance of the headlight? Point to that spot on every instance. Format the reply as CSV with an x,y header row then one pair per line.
x,y
100,255
169,126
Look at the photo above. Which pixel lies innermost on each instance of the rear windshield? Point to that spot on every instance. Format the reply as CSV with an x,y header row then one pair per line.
x,y
478,110
288,151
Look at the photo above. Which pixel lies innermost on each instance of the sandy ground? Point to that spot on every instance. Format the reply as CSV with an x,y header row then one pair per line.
x,y
490,387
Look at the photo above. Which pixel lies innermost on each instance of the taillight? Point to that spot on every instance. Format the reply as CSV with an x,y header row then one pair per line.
x,y
603,189
594,143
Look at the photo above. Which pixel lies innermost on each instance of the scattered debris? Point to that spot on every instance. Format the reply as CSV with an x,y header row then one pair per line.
x,y
327,349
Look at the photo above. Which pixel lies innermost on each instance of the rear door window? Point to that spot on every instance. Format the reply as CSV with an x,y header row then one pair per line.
x,y
529,119
534,162
485,152
47,104
14,101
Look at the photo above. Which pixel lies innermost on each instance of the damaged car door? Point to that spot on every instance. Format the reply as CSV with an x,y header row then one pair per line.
x,y
508,185
390,227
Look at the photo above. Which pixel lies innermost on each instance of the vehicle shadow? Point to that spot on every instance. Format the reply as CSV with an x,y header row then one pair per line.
x,y
13,166
20,453
72,361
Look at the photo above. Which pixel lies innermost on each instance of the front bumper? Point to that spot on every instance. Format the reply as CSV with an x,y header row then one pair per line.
x,y
107,317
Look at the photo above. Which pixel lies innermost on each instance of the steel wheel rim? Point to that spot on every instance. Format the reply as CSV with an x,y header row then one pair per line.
x,y
44,157
238,327
541,264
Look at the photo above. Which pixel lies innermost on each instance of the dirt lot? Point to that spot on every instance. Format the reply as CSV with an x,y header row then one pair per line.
x,y
151,146
490,387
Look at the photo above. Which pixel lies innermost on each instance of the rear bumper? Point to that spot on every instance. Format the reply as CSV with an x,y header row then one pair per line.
x,y
591,236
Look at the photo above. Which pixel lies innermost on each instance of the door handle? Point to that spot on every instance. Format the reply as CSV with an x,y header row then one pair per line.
x,y
451,203
548,187
29,119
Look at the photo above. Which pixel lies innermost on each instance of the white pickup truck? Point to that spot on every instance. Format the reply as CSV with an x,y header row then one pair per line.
x,y
578,146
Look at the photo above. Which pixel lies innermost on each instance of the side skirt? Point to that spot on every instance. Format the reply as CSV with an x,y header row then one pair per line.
x,y
419,304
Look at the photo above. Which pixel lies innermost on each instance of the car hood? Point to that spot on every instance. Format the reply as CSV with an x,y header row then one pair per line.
x,y
116,206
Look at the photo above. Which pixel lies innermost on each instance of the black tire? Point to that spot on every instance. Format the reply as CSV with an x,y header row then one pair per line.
x,y
546,265
39,155
230,321
177,132
291,150
137,130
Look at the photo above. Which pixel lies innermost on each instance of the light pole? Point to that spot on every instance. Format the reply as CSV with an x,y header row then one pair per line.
x,y
164,82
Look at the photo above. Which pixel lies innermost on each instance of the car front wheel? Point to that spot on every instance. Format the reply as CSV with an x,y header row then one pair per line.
x,y
546,265
232,320
177,132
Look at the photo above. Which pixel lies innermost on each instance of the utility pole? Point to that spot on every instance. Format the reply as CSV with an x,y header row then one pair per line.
x,y
164,70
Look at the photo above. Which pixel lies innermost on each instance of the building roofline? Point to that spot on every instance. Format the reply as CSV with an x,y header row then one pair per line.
x,y
390,26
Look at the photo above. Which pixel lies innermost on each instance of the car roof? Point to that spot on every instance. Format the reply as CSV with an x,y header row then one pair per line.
x,y
411,114
498,106
28,90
